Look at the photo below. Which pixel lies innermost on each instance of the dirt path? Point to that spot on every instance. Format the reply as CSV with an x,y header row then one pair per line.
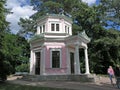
x,y
102,84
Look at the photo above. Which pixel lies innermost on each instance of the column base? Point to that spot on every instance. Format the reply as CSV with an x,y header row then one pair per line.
x,y
87,73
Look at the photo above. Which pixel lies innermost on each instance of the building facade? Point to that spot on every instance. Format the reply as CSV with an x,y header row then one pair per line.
x,y
54,50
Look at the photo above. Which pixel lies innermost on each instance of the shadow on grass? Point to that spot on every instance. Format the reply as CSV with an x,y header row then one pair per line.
x,y
8,86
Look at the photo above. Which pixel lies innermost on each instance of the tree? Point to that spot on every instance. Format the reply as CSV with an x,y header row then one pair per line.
x,y
111,13
16,50
105,51
3,26
104,42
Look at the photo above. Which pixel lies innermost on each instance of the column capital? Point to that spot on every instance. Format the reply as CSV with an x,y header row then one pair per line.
x,y
77,43
86,47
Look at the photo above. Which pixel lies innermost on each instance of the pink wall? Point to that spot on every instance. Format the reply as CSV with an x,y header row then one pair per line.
x,y
64,58
47,57
48,69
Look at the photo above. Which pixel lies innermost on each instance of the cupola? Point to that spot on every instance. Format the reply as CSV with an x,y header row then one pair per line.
x,y
54,25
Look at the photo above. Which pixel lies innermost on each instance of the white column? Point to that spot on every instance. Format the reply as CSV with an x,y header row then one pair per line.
x,y
34,62
70,29
38,29
77,61
42,29
43,61
31,62
86,61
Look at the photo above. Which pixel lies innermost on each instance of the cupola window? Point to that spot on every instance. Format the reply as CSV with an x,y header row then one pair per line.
x,y
57,27
54,27
67,29
43,28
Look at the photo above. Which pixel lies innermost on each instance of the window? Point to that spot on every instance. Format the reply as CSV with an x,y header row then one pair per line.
x,y
52,27
37,66
55,58
43,28
67,29
55,27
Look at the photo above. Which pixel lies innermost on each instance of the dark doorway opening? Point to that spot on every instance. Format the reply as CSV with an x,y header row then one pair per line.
x,y
72,62
37,66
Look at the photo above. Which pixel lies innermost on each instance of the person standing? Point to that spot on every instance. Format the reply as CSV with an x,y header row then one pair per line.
x,y
110,72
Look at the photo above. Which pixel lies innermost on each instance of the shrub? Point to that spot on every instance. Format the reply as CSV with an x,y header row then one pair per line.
x,y
22,68
5,69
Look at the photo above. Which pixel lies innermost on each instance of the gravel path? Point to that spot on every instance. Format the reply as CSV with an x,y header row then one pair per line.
x,y
102,84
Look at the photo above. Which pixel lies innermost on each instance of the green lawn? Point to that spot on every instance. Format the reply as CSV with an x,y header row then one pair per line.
x,y
6,86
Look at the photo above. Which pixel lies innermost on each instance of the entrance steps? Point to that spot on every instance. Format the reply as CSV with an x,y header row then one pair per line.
x,y
81,77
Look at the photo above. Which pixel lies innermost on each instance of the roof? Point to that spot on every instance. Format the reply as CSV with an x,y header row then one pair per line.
x,y
55,16
36,37
81,36
84,35
41,36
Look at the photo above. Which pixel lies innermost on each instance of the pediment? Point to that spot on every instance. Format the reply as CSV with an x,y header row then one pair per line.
x,y
84,35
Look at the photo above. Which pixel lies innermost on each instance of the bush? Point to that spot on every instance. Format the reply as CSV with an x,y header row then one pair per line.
x,y
5,69
22,68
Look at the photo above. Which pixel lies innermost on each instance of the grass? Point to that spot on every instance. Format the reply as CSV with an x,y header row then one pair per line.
x,y
7,86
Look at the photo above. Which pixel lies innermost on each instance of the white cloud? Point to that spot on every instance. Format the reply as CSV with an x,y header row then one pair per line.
x,y
19,10
89,1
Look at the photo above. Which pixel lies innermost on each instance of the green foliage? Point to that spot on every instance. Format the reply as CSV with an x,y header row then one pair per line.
x,y
111,12
4,71
105,52
16,50
3,11
5,67
52,7
28,27
22,68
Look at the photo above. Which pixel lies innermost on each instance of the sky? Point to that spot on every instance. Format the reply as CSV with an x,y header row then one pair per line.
x,y
19,9
22,9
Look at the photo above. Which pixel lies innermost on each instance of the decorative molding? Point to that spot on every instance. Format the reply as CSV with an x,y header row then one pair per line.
x,y
84,35
55,16
38,36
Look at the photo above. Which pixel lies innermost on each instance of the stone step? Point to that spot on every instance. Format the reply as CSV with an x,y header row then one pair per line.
x,y
82,78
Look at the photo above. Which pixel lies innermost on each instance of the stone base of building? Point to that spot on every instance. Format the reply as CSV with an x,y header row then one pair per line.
x,y
80,78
